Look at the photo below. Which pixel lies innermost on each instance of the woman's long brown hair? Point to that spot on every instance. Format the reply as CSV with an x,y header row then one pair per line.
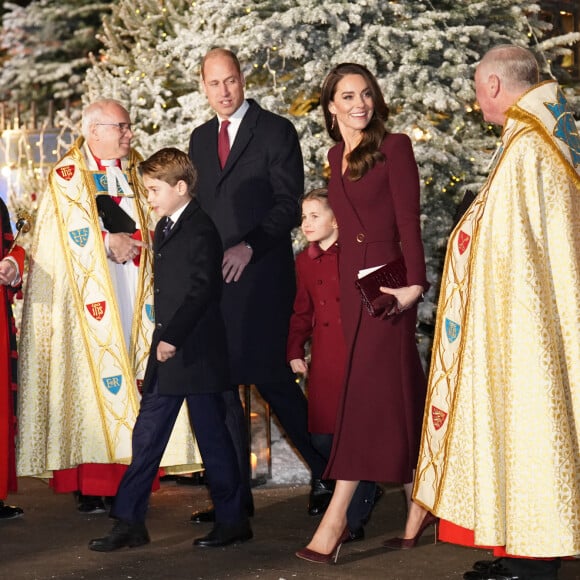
x,y
367,153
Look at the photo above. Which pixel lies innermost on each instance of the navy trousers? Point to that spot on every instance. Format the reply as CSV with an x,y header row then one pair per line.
x,y
157,415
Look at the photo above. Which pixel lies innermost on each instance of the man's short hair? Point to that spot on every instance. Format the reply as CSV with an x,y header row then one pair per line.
x,y
516,66
170,165
94,112
222,52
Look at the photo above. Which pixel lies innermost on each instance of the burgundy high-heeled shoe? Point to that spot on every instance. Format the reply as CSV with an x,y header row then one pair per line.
x,y
318,558
408,543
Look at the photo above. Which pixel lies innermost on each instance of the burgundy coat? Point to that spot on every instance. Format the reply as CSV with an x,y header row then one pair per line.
x,y
379,421
316,316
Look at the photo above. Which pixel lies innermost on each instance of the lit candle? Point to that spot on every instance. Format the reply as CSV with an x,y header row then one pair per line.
x,y
254,464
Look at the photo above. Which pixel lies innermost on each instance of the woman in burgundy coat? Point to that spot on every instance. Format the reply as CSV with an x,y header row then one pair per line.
x,y
374,192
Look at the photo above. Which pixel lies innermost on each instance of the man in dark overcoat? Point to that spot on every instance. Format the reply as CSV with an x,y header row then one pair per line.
x,y
251,176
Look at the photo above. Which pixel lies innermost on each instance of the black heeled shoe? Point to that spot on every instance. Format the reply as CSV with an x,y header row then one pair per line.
x,y
318,558
408,543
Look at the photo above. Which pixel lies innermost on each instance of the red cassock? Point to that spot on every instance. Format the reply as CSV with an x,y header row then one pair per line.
x,y
380,416
7,363
316,316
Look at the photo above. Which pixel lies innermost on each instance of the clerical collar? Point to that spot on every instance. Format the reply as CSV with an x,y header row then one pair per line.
x,y
102,164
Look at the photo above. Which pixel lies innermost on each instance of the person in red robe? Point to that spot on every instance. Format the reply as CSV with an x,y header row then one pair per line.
x,y
11,266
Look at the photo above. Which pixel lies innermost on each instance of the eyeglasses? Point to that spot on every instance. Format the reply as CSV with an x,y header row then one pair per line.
x,y
123,127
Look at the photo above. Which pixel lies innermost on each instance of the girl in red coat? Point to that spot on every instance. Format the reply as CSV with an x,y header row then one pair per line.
x,y
316,317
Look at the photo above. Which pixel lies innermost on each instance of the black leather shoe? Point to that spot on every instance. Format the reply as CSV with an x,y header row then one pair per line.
x,y
91,504
123,534
356,535
514,568
203,516
224,535
507,575
489,566
321,491
9,512
208,516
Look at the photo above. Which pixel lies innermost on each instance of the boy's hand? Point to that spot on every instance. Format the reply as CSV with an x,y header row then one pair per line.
x,y
165,351
299,366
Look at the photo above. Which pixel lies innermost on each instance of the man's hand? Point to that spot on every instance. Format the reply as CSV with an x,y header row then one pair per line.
x,y
7,272
165,351
235,261
122,247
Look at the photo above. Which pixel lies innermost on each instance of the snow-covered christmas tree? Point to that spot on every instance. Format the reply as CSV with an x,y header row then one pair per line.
x,y
423,53
47,46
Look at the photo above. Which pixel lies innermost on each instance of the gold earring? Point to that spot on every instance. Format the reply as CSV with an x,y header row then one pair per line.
x,y
333,122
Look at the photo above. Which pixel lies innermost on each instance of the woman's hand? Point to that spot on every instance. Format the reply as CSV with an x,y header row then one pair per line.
x,y
405,296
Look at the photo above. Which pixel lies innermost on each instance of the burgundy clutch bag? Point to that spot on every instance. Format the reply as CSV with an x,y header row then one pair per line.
x,y
391,275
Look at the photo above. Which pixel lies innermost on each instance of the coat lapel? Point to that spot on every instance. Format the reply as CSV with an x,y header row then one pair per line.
x,y
212,145
159,242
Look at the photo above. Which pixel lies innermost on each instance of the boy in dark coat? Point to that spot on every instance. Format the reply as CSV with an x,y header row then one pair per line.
x,y
188,361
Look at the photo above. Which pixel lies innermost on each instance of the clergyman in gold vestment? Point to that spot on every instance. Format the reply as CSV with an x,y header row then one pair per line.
x,y
88,318
500,446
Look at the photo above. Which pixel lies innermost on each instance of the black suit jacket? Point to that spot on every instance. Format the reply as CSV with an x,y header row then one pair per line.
x,y
187,288
255,198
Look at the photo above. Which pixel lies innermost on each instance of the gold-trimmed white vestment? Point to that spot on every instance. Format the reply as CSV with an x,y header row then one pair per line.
x,y
500,451
79,378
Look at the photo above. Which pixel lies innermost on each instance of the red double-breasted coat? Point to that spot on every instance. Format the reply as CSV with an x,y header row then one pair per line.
x,y
316,316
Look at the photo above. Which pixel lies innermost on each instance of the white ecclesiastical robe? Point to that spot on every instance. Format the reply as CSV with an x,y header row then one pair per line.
x,y
86,330
500,452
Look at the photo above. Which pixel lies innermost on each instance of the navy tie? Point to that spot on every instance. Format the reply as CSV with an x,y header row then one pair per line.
x,y
167,227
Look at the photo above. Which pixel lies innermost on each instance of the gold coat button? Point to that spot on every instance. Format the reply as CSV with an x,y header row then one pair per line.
x,y
360,237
